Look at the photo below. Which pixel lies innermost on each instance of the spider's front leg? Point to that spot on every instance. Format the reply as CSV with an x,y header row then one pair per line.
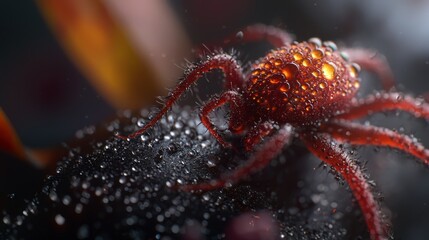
x,y
320,145
261,158
233,75
237,120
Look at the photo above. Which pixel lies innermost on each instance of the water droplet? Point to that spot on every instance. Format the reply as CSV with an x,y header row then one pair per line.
x,y
278,62
122,180
315,41
290,71
297,56
322,85
60,220
356,84
172,148
239,35
354,70
267,65
317,54
140,122
328,70
315,74
206,197
6,220
211,164
285,87
306,62
345,56
330,45
53,196
308,108
304,86
275,79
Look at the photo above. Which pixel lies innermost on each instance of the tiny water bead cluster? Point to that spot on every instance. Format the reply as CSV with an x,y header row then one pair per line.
x,y
301,78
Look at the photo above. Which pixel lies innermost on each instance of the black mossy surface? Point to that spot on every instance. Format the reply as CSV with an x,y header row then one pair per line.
x,y
121,191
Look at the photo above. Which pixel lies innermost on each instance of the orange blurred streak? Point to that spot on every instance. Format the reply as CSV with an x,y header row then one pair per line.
x,y
100,47
9,141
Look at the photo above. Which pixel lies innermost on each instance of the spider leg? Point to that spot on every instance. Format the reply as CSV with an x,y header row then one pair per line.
x,y
237,118
320,145
233,75
358,134
373,62
385,102
256,134
259,160
254,33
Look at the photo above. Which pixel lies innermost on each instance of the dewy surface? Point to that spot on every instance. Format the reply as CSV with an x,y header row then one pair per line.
x,y
122,190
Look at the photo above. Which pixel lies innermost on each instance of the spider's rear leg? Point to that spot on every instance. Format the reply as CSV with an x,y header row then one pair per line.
x,y
386,102
335,157
373,62
255,33
233,75
259,160
358,134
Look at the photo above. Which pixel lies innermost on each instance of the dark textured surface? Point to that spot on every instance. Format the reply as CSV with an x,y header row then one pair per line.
x,y
120,190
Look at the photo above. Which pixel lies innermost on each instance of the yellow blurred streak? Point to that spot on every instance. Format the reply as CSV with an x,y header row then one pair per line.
x,y
96,41
9,141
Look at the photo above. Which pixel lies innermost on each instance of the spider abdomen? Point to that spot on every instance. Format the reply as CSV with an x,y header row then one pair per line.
x,y
302,83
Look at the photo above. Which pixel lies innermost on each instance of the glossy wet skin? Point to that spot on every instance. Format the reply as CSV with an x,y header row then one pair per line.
x,y
301,83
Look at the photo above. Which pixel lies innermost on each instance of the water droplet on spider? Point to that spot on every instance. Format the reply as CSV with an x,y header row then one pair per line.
x,y
290,71
317,54
328,70
275,79
297,56
59,219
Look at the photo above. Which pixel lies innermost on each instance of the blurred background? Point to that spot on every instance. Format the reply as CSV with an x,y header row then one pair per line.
x,y
69,64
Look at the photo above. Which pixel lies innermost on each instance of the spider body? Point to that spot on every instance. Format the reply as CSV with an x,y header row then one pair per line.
x,y
301,83
308,90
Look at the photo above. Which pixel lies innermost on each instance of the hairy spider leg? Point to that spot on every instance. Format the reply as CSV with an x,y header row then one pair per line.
x,y
237,114
385,102
233,75
259,160
321,146
358,134
255,33
260,32
257,134
373,62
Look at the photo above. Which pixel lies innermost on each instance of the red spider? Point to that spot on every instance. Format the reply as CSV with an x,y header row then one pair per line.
x,y
307,89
